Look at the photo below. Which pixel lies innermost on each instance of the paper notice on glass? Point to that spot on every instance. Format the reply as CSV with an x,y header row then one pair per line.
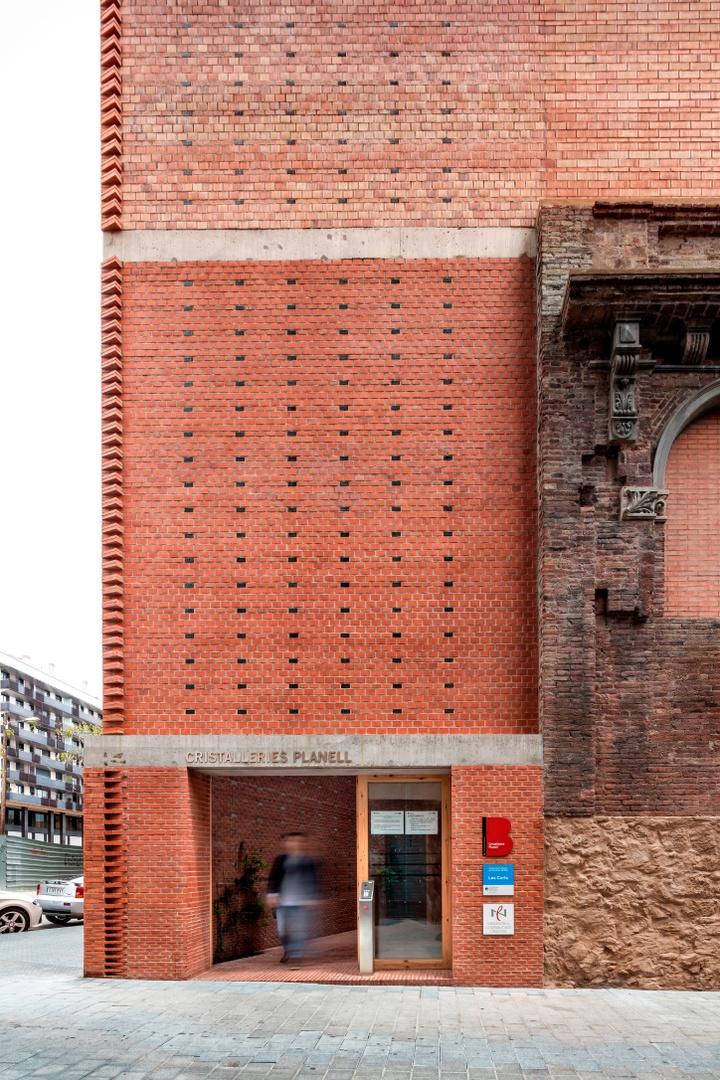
x,y
421,821
387,822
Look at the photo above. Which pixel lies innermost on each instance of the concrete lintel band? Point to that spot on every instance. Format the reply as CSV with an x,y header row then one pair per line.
x,y
346,753
237,245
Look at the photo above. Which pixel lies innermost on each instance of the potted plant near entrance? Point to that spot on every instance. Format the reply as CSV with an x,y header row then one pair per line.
x,y
240,910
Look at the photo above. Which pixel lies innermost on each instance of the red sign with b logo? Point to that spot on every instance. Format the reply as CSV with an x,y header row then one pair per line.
x,y
497,840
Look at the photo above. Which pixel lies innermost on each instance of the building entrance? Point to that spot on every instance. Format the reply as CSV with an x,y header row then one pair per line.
x,y
250,817
393,829
403,846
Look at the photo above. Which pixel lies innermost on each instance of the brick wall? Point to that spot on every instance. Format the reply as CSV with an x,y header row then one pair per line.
x,y
357,116
341,113
692,533
630,697
328,490
629,107
94,873
259,810
514,792
149,872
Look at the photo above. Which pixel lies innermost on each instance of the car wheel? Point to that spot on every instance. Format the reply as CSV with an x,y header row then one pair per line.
x,y
59,920
13,921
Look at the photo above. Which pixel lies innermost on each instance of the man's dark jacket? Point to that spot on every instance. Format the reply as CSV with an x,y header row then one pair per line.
x,y
304,869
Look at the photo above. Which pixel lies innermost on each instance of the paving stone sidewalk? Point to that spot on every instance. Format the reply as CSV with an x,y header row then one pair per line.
x,y
54,1023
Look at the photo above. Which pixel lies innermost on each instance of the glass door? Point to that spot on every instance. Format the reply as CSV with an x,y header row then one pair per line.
x,y
404,823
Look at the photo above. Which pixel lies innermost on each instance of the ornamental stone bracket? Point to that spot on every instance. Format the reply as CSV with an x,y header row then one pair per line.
x,y
696,344
672,312
642,504
624,365
641,321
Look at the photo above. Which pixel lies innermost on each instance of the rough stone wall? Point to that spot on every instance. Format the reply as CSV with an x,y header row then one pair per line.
x,y
328,482
630,697
259,810
633,901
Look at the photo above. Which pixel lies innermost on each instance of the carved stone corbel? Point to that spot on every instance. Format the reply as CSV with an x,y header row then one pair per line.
x,y
624,363
696,344
642,504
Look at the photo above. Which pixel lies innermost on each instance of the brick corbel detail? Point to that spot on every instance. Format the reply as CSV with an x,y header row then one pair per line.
x,y
111,114
112,483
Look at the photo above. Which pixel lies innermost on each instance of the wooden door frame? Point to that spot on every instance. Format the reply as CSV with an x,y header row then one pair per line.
x,y
363,858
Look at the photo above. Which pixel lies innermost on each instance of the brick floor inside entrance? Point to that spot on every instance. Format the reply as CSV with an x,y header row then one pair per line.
x,y
329,960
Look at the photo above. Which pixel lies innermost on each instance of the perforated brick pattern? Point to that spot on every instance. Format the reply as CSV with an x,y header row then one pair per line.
x,y
354,115
328,497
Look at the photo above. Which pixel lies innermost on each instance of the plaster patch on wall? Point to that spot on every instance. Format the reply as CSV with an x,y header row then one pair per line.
x,y
633,901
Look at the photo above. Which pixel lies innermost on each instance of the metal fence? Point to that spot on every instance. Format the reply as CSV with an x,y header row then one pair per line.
x,y
25,862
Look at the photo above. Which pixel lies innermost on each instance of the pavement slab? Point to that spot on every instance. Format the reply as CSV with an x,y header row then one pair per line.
x,y
56,1025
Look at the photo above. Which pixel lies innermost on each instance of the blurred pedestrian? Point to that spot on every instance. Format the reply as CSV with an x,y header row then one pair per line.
x,y
293,890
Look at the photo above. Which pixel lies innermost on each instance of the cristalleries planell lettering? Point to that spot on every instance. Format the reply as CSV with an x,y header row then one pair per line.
x,y
268,757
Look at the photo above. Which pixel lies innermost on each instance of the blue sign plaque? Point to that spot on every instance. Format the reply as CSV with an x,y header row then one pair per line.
x,y
499,879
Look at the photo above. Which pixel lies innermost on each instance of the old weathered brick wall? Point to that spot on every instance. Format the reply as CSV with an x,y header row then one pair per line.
x,y
630,679
257,811
506,791
328,481
630,695
407,115
692,533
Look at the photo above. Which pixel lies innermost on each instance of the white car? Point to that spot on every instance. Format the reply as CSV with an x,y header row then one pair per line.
x,y
17,913
61,901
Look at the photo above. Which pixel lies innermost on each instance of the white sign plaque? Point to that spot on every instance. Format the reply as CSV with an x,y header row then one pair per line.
x,y
499,920
387,822
421,822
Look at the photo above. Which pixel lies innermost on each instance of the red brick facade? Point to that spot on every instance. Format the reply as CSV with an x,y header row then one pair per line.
x,y
148,875
514,792
317,460
360,116
418,506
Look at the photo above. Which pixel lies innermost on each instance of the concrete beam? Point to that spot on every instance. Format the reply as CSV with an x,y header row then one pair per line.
x,y
237,245
294,753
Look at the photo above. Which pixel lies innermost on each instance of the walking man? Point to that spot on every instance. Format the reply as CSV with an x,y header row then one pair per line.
x,y
293,889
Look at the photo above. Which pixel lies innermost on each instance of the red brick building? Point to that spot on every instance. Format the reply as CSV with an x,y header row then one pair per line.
x,y
411,366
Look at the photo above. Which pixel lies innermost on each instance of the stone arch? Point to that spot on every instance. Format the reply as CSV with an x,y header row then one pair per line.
x,y
695,406
692,532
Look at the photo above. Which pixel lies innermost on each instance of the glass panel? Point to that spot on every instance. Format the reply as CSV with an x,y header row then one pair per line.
x,y
405,849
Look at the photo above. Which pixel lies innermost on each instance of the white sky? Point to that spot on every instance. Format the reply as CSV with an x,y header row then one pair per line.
x,y
49,337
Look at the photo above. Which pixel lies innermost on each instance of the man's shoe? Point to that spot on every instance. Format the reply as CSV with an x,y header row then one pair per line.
x,y
284,958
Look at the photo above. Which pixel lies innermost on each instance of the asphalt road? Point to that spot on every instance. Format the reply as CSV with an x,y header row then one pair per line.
x,y
54,1023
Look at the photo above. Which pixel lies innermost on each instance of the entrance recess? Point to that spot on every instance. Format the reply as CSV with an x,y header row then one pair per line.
x,y
404,847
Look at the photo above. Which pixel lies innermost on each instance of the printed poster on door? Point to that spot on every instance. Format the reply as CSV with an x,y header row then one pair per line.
x,y
387,822
421,822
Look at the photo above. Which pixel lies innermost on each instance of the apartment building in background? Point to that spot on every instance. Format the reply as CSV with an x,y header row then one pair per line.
x,y
45,722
